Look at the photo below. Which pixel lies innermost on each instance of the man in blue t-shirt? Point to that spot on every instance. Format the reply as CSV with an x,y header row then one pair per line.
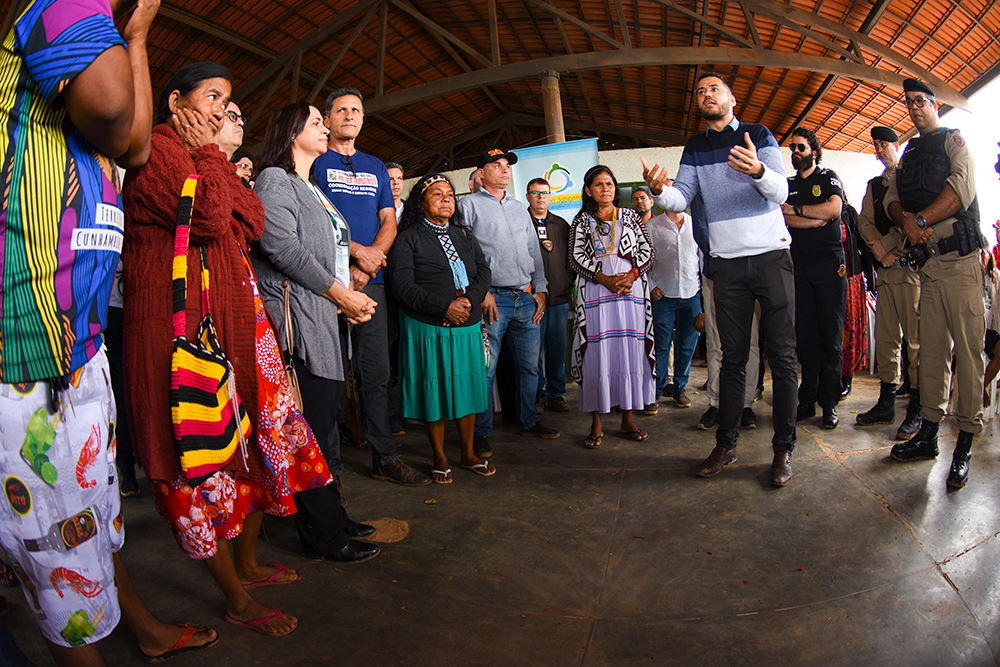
x,y
358,185
748,259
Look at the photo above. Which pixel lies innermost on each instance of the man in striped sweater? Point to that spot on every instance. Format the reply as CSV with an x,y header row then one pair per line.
x,y
733,174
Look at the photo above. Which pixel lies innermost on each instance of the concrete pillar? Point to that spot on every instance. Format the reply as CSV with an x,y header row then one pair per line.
x,y
552,106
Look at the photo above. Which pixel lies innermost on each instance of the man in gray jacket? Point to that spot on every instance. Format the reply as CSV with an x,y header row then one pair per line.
x,y
516,299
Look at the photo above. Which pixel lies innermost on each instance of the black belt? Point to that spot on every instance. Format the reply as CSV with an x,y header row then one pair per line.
x,y
918,255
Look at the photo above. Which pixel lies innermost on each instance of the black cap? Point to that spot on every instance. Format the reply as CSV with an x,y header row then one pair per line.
x,y
493,155
916,86
882,133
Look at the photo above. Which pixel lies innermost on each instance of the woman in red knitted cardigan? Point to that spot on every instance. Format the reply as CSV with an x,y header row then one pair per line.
x,y
226,218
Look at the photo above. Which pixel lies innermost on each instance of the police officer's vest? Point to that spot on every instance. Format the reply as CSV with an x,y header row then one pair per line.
x,y
922,173
883,223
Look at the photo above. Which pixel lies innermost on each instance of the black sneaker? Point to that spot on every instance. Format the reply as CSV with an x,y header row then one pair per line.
x,y
399,473
481,446
708,419
128,486
540,431
748,419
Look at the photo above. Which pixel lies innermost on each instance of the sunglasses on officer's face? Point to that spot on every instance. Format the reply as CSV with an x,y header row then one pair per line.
x,y
799,147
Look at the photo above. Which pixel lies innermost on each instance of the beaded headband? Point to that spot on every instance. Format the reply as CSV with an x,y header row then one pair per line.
x,y
431,180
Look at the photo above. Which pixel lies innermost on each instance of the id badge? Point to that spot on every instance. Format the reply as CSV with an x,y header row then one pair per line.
x,y
344,264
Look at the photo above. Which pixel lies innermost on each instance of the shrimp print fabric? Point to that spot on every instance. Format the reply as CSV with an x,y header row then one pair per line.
x,y
60,515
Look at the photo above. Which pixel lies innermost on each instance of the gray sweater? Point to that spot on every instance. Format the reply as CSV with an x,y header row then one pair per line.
x,y
507,236
298,242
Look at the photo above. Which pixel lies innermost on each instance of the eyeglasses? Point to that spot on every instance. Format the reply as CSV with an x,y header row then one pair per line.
x,y
799,147
235,118
347,161
540,192
918,102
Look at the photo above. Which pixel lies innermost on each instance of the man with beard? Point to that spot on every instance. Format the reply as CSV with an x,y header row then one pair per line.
x,y
896,313
812,213
748,259
932,198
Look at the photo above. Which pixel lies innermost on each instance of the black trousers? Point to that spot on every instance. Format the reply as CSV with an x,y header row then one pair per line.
x,y
769,279
820,306
319,517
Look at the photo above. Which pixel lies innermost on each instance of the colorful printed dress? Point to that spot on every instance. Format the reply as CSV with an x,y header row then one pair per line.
x,y
613,349
290,456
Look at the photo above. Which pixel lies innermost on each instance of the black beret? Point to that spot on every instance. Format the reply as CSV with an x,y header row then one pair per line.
x,y
916,86
882,133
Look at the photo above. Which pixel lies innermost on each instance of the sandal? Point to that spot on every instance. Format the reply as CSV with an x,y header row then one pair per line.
x,y
637,434
445,473
484,469
273,579
181,646
593,441
257,622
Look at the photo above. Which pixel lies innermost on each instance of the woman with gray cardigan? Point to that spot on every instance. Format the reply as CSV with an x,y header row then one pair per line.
x,y
307,241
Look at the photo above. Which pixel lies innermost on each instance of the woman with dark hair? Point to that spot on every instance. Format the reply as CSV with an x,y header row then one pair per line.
x,y
440,276
226,217
613,357
305,250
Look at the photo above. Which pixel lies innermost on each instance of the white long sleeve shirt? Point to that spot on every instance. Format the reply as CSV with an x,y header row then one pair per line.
x,y
675,269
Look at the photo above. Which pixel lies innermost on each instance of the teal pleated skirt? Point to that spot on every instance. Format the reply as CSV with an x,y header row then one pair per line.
x,y
442,370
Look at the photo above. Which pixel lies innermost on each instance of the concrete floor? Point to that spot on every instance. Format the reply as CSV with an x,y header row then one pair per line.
x,y
621,556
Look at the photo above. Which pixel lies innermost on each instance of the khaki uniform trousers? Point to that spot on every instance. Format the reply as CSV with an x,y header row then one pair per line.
x,y
952,311
897,316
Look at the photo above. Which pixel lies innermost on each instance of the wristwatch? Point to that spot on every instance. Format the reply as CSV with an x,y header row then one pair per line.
x,y
798,211
921,221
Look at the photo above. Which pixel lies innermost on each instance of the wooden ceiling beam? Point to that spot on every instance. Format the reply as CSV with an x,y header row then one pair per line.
x,y
586,27
780,11
305,44
328,72
649,58
437,29
707,22
196,22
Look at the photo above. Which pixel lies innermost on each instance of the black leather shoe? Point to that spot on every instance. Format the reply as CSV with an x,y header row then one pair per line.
x,y
959,474
354,551
781,468
805,412
355,529
904,390
830,418
845,387
923,445
716,461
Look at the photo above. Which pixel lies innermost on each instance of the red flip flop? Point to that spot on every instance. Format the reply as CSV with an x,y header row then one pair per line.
x,y
181,645
273,579
257,622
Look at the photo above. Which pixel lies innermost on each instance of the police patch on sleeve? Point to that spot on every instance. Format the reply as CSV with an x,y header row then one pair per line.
x,y
959,141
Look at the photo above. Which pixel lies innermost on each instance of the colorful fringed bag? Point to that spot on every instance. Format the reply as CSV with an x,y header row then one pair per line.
x,y
209,420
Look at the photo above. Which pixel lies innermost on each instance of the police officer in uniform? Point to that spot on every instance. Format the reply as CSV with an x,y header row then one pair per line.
x,y
932,199
898,291
812,214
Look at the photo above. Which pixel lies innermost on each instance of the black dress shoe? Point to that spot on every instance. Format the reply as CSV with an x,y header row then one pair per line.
x,y
830,418
354,551
959,473
355,529
845,387
805,412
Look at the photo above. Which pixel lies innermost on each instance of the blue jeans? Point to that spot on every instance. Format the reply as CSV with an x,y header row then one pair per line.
x,y
515,312
668,313
552,334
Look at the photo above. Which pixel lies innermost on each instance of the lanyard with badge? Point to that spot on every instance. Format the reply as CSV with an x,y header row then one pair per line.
x,y
342,272
543,234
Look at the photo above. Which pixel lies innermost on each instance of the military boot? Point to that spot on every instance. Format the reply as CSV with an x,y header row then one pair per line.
x,y
884,411
923,445
913,419
959,474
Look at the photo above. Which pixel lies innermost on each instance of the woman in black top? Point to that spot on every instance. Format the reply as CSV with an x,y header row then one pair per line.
x,y
440,276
